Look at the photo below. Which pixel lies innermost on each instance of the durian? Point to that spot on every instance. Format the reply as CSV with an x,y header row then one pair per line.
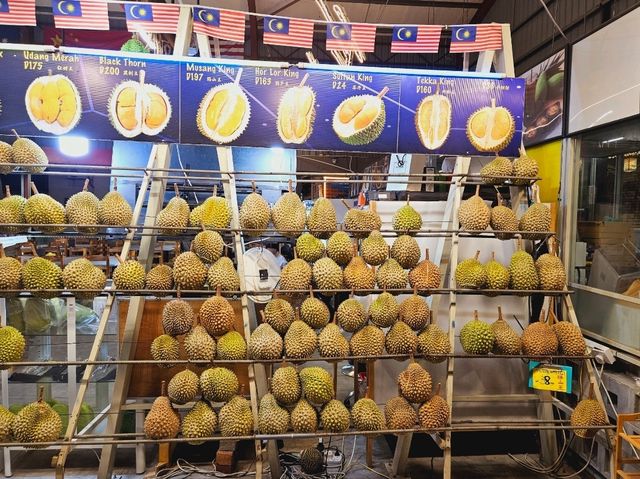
x,y
366,415
174,217
183,387
41,209
165,349
414,311
491,128
40,275
28,154
189,273
231,346
159,278
10,273
406,251
265,343
12,345
503,219
361,222
309,248
289,214
390,275
340,248
497,171
351,315
6,158
37,422
113,209
335,417
477,337
474,214
507,340
222,274
471,274
208,246
539,339
425,275
272,418
524,167
296,113
434,413
224,112
296,275
279,314
83,274
588,413
551,272
497,274
162,421
414,383
6,423
569,337
314,312
129,275
255,214
198,345
214,212
82,209
216,315
522,270
218,384
322,221
332,343
311,460
286,386
300,341
399,414
12,211
358,276
384,310
433,342
236,418
433,120
360,119
536,218
304,417
368,341
401,339
327,275
374,249
406,220
317,385
201,421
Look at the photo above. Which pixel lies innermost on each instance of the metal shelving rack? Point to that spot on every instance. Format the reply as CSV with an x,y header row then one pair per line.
x,y
154,179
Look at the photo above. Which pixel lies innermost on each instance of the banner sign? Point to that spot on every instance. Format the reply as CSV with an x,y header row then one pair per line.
x,y
242,103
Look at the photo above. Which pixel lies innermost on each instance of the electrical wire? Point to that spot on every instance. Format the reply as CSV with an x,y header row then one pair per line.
x,y
184,469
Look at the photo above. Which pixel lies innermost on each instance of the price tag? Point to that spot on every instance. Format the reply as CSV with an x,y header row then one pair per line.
x,y
550,377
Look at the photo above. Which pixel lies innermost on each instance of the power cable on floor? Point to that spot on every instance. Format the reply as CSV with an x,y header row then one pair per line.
x,y
184,469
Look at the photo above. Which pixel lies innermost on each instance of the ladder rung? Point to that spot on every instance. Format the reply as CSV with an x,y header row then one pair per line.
x,y
634,440
627,475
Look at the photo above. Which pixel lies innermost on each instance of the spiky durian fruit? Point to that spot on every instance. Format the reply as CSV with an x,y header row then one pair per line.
x,y
335,417
317,385
177,317
425,275
314,312
289,214
41,209
366,415
360,119
83,274
272,418
374,249
224,112
200,421
296,113
198,345
496,171
296,275
497,274
12,344
174,217
159,278
524,167
189,272
309,248
162,421
39,275
129,275
37,422
231,346
208,245
477,337
6,158
570,338
434,413
522,270
327,275
214,212
311,460
82,209
53,104
361,222
357,275
538,338
279,314
351,315
304,417
285,385
6,423
236,418
322,221
399,414
414,311
474,214
507,340
10,273
551,272
113,209
407,220
165,349
391,275
332,343
491,128
406,251
222,274
588,413
183,387
433,120
470,273
414,383
401,339
340,248
255,214
29,155
219,384
216,315
384,310
137,108
368,341
300,341
12,211
265,343
503,219
433,342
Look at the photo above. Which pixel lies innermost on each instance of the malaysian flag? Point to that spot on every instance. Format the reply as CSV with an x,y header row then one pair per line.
x,y
218,23
416,38
18,12
231,50
359,37
290,32
81,14
475,38
152,17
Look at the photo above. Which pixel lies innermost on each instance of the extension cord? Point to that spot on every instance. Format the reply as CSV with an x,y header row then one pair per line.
x,y
333,460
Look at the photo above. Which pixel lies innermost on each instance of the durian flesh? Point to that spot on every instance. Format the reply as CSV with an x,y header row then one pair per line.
x,y
433,121
296,114
490,128
359,120
224,113
53,104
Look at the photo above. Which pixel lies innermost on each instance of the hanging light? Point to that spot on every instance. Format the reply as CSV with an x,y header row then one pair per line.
x,y
630,162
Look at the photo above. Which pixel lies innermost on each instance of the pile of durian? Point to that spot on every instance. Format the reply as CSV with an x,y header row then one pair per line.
x,y
547,273
24,154
545,337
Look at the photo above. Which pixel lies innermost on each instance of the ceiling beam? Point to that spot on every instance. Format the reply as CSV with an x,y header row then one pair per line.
x,y
482,11
418,3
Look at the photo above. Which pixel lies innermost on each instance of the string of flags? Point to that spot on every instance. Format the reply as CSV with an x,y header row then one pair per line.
x,y
229,25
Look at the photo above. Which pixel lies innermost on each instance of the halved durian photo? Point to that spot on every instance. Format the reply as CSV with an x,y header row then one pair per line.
x,y
296,113
224,112
360,119
433,121
491,128
139,108
53,104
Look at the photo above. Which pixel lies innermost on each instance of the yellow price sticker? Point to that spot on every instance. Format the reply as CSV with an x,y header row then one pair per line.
x,y
550,377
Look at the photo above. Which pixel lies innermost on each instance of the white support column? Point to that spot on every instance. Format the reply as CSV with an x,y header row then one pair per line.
x,y
4,384
72,345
